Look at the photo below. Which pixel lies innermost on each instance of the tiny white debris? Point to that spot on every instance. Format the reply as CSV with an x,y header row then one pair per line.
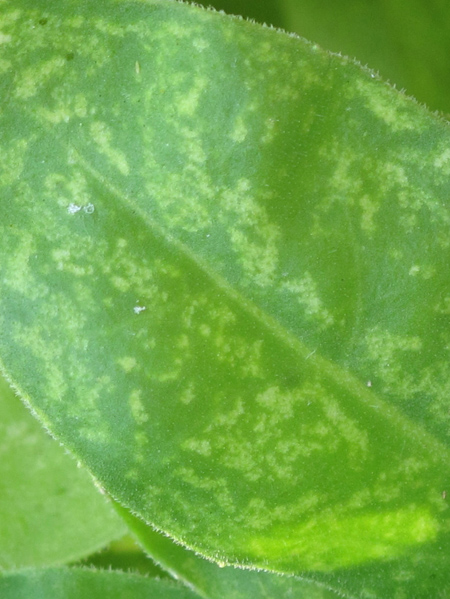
x,y
138,309
73,208
208,235
369,383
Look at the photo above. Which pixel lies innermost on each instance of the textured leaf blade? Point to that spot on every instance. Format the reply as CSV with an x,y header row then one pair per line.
x,y
212,582
251,360
50,511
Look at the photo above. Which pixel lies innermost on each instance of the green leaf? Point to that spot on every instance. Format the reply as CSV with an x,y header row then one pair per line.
x,y
50,511
224,285
213,582
78,583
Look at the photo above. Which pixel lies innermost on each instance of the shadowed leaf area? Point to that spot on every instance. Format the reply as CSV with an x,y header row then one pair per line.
x,y
77,583
224,286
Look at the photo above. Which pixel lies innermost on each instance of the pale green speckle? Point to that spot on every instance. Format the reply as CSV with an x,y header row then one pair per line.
x,y
205,330
256,253
369,210
137,407
442,161
200,44
379,100
282,403
305,292
422,271
75,107
271,128
30,80
240,131
102,136
120,283
128,363
188,394
187,103
202,447
4,38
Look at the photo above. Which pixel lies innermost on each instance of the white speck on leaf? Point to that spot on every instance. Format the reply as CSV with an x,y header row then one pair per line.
x,y
138,309
73,208
89,208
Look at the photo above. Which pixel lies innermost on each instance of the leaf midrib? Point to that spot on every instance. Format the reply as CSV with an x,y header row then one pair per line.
x,y
346,379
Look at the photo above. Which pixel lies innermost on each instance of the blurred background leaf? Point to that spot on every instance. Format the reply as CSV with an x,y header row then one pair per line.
x,y
50,510
79,583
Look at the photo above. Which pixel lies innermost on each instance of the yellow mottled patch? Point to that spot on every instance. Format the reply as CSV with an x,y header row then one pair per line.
x,y
240,131
128,363
188,394
4,38
423,271
200,446
269,135
442,161
273,398
120,283
102,136
369,209
76,107
187,103
205,330
317,543
200,44
31,79
253,237
305,290
12,161
137,407
379,101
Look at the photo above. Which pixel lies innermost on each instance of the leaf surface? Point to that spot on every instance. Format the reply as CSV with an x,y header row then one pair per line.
x,y
224,285
78,583
50,511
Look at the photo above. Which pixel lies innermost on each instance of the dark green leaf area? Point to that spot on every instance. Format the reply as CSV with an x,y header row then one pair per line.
x,y
224,285
77,583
